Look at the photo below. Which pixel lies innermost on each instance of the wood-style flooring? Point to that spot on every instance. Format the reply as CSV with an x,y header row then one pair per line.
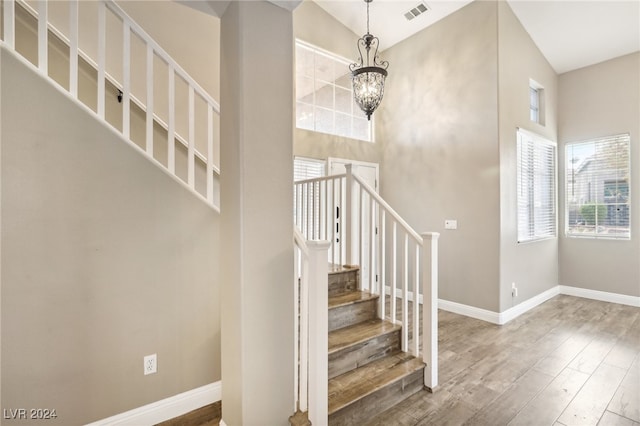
x,y
569,361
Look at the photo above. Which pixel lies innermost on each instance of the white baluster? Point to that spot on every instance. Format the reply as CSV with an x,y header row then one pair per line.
x,y
191,153
394,270
126,80
405,296
372,246
296,326
43,37
416,305
210,153
149,144
304,334
383,261
171,126
73,48
430,308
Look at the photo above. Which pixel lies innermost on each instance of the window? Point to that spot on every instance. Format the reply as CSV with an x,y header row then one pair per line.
x,y
597,199
324,96
307,168
536,185
536,102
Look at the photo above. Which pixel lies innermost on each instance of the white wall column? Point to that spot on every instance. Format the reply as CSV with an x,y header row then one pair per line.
x,y
257,216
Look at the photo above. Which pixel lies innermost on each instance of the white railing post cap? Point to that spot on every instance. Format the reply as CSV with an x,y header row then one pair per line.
x,y
318,244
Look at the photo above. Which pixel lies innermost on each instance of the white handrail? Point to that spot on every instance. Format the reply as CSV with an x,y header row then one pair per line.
x,y
153,49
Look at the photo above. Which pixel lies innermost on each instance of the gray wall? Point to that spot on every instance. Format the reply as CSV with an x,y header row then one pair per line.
x,y
105,259
532,266
602,100
313,25
438,135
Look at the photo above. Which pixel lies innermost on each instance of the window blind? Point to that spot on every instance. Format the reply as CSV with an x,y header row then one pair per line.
x,y
536,186
597,188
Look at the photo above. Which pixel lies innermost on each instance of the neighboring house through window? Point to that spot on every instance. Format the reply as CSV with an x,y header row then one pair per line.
x,y
597,198
324,96
536,186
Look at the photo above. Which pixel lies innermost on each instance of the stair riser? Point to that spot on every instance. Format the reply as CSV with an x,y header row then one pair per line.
x,y
354,313
342,282
379,401
350,358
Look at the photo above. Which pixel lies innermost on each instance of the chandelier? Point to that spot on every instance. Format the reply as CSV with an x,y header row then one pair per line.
x,y
368,74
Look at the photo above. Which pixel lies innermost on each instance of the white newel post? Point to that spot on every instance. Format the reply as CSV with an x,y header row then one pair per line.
x,y
351,215
430,309
318,331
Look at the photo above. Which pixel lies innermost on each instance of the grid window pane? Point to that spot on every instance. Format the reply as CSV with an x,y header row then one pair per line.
x,y
597,185
324,95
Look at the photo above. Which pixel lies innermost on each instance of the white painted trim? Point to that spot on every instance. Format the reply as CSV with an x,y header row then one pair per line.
x,y
602,296
168,408
521,308
514,312
469,311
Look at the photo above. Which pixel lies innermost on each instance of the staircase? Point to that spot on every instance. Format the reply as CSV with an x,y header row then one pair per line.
x,y
368,373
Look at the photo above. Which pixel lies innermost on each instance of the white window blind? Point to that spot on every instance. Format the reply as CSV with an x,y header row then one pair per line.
x,y
308,168
324,95
598,188
536,186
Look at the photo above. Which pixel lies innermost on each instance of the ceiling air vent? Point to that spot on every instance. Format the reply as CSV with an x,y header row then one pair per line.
x,y
418,10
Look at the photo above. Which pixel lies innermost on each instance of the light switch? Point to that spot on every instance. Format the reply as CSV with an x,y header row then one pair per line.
x,y
450,224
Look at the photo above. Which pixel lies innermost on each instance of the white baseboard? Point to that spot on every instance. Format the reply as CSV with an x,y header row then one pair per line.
x,y
514,312
469,311
521,308
603,296
166,409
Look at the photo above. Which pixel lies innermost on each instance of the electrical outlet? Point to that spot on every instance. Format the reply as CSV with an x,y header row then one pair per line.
x,y
150,364
514,290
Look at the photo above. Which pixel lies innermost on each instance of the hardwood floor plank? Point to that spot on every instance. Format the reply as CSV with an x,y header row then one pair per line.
x,y
545,408
626,401
612,419
514,398
592,400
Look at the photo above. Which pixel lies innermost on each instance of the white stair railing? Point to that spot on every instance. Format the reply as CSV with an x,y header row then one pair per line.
x,y
311,325
394,260
153,51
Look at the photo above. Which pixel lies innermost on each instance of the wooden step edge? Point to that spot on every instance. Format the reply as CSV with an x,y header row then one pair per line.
x,y
341,269
394,374
385,327
351,298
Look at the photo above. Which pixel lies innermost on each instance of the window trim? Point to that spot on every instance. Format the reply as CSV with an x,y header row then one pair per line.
x,y
536,138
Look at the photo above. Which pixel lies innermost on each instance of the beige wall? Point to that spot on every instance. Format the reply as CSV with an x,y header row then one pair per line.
x,y
602,100
438,135
105,259
532,266
313,25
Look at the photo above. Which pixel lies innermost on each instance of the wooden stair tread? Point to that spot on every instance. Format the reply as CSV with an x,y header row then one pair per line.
x,y
350,298
354,385
337,269
358,333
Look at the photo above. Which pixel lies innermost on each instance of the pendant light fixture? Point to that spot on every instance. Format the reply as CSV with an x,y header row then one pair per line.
x,y
369,73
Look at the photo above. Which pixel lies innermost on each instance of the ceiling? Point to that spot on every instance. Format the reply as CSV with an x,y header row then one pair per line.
x,y
570,34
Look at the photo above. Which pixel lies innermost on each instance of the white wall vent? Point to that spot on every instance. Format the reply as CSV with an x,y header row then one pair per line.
x,y
418,10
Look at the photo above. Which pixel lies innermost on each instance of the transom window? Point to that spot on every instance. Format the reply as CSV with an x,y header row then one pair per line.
x,y
536,185
324,96
597,187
